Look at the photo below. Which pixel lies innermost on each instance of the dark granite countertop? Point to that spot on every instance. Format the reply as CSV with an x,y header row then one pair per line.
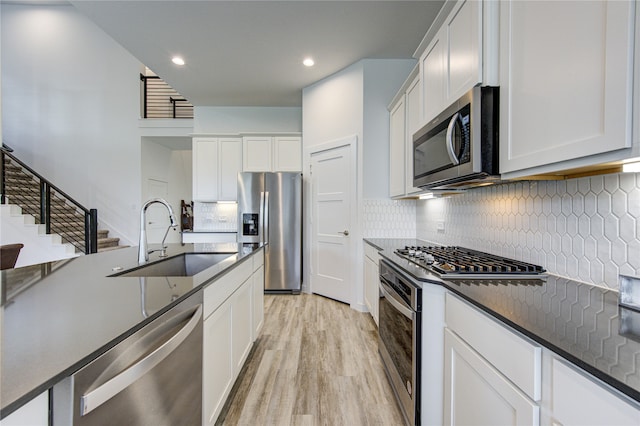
x,y
579,322
59,316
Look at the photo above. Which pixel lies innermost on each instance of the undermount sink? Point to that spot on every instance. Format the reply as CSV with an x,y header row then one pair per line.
x,y
183,265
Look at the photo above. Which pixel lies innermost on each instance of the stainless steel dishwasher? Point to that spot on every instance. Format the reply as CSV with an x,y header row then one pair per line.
x,y
153,377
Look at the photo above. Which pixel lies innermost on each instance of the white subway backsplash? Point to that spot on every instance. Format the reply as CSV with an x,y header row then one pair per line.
x,y
385,218
215,217
587,229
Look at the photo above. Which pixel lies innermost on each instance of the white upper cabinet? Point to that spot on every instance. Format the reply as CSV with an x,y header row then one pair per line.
x,y
287,154
256,155
230,164
216,163
272,154
397,147
404,119
452,62
413,100
464,49
432,71
566,84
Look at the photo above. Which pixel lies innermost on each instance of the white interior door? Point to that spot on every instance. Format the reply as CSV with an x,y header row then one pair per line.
x,y
157,215
333,183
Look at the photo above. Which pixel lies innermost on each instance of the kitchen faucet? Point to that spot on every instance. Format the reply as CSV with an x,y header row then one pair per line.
x,y
143,251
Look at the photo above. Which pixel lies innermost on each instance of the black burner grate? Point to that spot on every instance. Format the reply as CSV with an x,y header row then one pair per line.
x,y
460,260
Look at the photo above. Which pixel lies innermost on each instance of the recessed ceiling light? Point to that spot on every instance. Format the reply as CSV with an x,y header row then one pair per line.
x,y
308,62
177,60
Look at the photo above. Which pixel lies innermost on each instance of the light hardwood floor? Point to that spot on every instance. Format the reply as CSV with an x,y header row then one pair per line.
x,y
316,362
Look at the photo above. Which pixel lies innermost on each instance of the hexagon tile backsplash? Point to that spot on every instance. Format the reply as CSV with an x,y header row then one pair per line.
x,y
586,229
385,218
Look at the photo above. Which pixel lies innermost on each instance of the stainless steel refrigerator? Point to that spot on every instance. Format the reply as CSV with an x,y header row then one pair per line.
x,y
270,211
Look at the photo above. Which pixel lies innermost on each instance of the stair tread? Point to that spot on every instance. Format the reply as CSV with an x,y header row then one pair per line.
x,y
103,249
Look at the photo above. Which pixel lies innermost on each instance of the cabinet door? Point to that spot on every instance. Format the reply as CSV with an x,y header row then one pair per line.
x,y
413,109
578,400
369,281
256,154
475,393
287,154
258,302
241,325
217,362
464,35
432,76
33,413
565,81
205,169
230,163
397,157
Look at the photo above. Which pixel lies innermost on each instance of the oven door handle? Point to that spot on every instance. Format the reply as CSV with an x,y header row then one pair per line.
x,y
399,306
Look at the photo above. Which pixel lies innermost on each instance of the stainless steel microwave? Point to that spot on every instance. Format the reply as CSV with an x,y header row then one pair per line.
x,y
459,148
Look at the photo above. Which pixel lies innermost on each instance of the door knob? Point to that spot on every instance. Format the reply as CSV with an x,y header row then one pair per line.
x,y
345,233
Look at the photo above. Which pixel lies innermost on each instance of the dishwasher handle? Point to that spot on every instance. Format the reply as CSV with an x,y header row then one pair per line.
x,y
93,399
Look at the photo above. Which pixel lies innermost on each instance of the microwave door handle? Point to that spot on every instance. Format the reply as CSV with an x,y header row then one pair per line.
x,y
449,140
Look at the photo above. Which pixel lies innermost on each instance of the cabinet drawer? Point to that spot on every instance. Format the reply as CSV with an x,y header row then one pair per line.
x,y
371,252
577,399
258,260
514,356
220,290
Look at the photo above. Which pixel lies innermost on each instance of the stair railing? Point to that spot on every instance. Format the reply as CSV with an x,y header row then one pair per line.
x,y
159,100
90,243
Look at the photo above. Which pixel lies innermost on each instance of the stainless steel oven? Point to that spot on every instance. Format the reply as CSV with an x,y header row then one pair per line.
x,y
400,322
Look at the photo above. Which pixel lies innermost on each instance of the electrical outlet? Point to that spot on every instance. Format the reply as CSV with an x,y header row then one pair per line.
x,y
440,227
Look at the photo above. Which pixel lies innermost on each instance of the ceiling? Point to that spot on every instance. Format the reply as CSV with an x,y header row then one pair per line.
x,y
249,53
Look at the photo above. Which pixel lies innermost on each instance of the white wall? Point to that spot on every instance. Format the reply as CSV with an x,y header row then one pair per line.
x,y
353,102
70,110
332,108
173,166
247,119
382,79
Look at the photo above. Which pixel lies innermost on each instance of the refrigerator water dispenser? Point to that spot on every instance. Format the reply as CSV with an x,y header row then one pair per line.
x,y
249,224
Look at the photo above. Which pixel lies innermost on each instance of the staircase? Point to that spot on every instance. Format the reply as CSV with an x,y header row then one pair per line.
x,y
66,220
106,243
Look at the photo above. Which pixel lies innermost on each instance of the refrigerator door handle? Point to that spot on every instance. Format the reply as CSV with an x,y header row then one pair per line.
x,y
266,217
261,218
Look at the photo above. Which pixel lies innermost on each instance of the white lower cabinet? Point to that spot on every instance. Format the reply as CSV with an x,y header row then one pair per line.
x,y
33,413
491,375
477,394
232,308
576,399
217,364
241,324
371,280
494,375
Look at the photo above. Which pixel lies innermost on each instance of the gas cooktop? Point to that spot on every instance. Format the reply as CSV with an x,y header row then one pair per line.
x,y
460,262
